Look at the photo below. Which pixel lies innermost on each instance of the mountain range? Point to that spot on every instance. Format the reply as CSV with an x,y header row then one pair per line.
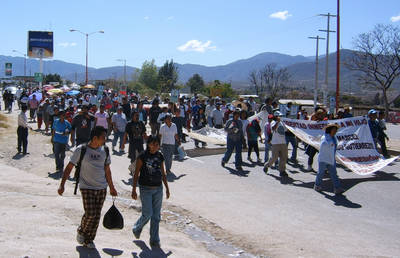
x,y
301,68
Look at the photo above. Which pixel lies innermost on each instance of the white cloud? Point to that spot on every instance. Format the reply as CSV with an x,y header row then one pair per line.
x,y
283,15
395,18
170,18
196,46
146,18
67,44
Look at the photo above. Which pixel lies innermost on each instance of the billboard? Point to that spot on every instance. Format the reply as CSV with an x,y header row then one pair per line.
x,y
8,69
40,44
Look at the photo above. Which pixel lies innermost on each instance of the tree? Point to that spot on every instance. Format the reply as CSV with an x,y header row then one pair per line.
x,y
275,79
52,78
168,76
256,80
377,58
216,88
148,75
195,83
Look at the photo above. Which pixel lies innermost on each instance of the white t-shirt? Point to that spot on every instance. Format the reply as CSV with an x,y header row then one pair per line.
x,y
278,136
245,123
168,134
218,116
102,119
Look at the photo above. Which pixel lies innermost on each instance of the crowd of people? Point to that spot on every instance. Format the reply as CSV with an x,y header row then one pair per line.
x,y
86,119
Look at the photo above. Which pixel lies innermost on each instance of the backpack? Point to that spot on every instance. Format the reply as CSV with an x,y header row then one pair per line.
x,y
78,165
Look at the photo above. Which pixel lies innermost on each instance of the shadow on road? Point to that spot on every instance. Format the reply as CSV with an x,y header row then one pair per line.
x,y
55,175
150,253
171,177
113,252
341,200
87,253
242,173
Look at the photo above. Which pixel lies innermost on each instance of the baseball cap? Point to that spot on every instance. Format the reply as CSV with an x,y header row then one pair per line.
x,y
372,111
278,113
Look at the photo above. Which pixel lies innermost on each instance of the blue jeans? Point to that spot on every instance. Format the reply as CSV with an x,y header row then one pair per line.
x,y
332,171
292,140
59,154
168,152
230,145
117,135
151,198
210,121
267,149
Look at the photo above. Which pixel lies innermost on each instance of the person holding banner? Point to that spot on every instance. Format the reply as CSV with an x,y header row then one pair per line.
x,y
279,147
326,159
234,140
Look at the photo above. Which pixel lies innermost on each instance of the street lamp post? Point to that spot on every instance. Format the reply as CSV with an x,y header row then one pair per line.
x,y
16,51
87,47
123,60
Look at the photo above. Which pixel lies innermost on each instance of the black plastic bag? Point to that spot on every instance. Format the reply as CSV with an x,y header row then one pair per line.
x,y
113,218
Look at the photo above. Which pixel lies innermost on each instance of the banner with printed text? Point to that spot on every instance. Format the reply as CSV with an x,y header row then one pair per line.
x,y
356,149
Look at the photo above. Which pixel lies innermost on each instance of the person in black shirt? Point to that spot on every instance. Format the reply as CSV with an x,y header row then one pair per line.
x,y
127,108
150,172
199,121
82,126
136,131
154,112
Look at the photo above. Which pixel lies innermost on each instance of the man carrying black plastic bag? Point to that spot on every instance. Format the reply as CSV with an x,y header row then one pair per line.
x,y
95,175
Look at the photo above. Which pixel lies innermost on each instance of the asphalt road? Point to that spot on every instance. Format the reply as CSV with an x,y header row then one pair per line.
x,y
288,218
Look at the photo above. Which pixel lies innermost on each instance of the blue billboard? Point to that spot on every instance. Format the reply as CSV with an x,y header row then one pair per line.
x,y
40,44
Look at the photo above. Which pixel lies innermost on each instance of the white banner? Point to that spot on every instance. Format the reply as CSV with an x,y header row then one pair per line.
x,y
356,149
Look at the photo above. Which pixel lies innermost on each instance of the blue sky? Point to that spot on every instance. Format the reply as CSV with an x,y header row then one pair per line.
x,y
207,32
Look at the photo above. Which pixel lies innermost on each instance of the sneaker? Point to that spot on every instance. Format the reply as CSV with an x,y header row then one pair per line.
x,y
223,163
89,244
294,161
136,234
80,238
317,188
266,168
258,160
239,168
339,191
249,159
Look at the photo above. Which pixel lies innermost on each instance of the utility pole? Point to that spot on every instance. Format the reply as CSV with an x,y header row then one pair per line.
x,y
325,91
317,38
338,56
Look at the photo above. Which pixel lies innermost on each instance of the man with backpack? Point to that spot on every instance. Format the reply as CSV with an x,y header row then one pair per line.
x,y
93,161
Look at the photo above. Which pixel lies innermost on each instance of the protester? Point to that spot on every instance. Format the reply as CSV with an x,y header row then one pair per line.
x,y
150,173
199,121
326,159
154,112
126,107
245,123
169,137
310,150
60,131
253,131
217,117
382,137
33,105
279,147
95,175
39,115
142,112
119,125
101,118
81,127
234,140
208,112
346,113
268,137
180,124
136,132
22,131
